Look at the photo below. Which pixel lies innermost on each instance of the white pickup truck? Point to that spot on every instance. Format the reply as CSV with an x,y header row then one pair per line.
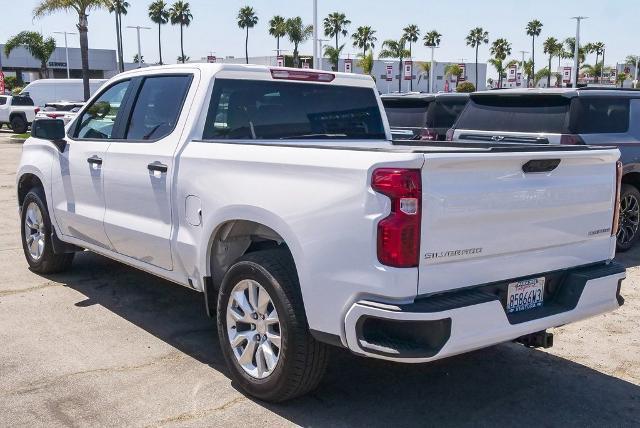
x,y
17,112
279,195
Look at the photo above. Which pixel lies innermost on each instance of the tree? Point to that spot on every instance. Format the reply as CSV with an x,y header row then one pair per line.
x,y
621,77
411,34
39,47
298,33
527,69
598,49
551,47
475,38
465,87
395,49
247,19
334,55
277,29
453,70
82,8
180,14
500,49
432,39
534,28
366,63
119,8
335,24
10,82
365,39
570,44
159,14
425,71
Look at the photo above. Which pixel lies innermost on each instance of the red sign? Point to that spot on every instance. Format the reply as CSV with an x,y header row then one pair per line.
x,y
280,61
513,73
463,75
566,74
2,87
348,66
389,72
211,59
408,70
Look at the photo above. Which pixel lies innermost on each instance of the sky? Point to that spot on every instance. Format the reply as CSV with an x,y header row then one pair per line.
x,y
214,28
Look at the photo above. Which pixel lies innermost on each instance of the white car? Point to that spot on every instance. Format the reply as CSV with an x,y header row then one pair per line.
x,y
65,110
18,112
278,194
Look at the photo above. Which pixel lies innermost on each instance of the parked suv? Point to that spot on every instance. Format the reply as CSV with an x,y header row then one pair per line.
x,y
17,112
594,116
422,116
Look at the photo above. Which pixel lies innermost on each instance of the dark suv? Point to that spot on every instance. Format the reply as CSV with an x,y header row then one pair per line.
x,y
422,116
594,116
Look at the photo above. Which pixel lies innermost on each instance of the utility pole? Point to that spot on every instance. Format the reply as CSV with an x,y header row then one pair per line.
x,y
316,58
576,50
138,28
66,49
522,65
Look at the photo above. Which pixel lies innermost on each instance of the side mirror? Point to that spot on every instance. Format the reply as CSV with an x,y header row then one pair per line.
x,y
50,129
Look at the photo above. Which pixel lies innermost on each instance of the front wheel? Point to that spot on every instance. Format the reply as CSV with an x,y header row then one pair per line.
x,y
37,235
263,330
19,125
629,217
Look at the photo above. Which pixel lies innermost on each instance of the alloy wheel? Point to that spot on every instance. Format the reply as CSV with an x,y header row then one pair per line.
x,y
629,219
34,233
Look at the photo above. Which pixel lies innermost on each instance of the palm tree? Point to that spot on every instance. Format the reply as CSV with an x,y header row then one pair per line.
x,y
366,63
335,24
411,34
570,43
82,8
247,19
500,49
453,70
475,38
534,28
621,77
598,49
395,49
425,70
119,8
298,33
277,29
180,14
365,39
551,47
334,55
160,15
432,38
39,47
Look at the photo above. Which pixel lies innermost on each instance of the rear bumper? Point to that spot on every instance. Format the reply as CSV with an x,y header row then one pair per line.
x,y
460,321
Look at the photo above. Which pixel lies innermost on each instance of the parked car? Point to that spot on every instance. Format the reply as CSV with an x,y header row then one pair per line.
x,y
427,117
18,112
593,116
44,91
278,194
64,110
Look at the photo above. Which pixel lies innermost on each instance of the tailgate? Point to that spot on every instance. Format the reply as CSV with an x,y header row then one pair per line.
x,y
484,219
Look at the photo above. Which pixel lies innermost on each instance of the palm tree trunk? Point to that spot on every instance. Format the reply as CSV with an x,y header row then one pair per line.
x,y
549,76
595,78
246,46
411,57
400,76
83,28
160,41
336,41
278,45
182,42
477,46
533,59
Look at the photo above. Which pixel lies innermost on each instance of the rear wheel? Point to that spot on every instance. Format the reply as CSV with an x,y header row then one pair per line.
x,y
263,329
36,236
19,124
629,217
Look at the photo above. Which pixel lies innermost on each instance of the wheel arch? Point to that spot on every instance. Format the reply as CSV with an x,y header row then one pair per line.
x,y
632,178
26,182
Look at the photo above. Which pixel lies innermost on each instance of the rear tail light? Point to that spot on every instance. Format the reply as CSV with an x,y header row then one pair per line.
x,y
450,134
399,232
308,76
54,115
616,207
36,110
571,139
428,134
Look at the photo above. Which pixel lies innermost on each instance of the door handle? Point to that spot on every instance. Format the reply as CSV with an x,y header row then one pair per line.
x,y
540,165
157,166
95,160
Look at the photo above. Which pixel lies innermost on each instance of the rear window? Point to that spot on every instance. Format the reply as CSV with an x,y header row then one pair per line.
x,y
600,115
548,114
254,110
444,112
407,113
61,107
3,101
22,101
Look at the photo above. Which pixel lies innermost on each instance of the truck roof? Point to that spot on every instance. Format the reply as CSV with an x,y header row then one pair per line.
x,y
565,92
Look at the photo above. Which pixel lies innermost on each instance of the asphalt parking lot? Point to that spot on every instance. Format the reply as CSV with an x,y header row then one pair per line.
x,y
107,345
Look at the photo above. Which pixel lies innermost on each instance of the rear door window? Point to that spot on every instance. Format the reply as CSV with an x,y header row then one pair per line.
x,y
516,113
22,101
255,110
406,113
3,101
600,115
444,112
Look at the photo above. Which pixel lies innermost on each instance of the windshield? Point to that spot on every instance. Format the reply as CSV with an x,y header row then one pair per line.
x,y
406,113
444,112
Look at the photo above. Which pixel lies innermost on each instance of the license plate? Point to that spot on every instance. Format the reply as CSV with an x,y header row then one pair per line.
x,y
524,295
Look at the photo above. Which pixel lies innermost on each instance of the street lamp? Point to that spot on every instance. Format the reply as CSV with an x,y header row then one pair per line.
x,y
138,28
522,71
432,71
66,48
576,50
316,58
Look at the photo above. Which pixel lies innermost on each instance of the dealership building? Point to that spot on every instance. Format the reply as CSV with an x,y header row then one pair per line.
x,y
102,64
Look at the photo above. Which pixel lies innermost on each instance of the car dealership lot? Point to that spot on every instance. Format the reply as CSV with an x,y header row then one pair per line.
x,y
108,345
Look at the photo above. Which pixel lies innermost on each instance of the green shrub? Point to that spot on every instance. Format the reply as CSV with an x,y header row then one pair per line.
x,y
465,87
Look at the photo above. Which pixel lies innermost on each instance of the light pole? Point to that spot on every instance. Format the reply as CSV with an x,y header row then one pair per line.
x,y
523,54
138,28
432,70
576,50
320,65
316,58
66,48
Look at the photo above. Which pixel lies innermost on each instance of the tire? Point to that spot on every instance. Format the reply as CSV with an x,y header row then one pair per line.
x,y
301,360
19,125
629,217
45,261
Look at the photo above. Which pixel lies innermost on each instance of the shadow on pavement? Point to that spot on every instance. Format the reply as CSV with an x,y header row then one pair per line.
x,y
507,384
630,258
